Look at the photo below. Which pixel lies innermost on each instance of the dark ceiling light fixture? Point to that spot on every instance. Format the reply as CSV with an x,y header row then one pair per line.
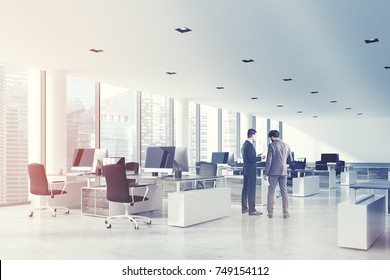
x,y
287,80
359,114
299,112
315,117
248,60
279,106
254,98
387,67
220,87
370,41
314,92
348,108
170,73
333,101
96,50
183,29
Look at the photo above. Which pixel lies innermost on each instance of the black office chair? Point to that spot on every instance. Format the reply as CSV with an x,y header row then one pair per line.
x,y
207,169
321,165
134,167
40,186
118,191
339,167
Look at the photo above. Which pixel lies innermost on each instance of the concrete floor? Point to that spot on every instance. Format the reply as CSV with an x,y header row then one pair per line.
x,y
309,234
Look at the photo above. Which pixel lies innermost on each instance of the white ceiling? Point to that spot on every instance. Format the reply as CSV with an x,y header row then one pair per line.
x,y
318,44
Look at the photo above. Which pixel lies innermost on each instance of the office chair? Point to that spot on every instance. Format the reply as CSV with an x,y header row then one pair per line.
x,y
339,167
40,186
207,169
321,165
132,166
118,191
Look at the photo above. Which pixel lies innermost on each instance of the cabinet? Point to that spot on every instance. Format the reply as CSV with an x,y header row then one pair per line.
x,y
94,201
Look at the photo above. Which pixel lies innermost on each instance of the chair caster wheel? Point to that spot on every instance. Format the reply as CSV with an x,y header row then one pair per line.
x,y
108,226
67,212
31,214
149,222
136,226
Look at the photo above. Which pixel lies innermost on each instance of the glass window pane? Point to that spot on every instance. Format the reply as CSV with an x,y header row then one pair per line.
x,y
192,134
155,122
15,83
208,132
81,122
118,119
229,131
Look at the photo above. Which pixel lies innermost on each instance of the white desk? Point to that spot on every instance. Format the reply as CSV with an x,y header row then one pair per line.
x,y
194,206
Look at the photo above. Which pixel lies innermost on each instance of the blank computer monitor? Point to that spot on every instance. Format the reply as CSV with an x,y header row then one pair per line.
x,y
220,157
83,159
159,159
181,159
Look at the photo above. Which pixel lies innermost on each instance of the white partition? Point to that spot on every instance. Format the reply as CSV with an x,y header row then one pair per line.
x,y
305,186
192,207
359,225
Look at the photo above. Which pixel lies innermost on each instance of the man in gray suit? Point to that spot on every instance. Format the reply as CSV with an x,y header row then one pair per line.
x,y
278,155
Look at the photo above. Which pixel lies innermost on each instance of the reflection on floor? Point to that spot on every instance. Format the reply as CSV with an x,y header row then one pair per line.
x,y
310,233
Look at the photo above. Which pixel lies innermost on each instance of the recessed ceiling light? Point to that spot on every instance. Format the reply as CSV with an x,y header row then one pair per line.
x,y
369,41
171,73
220,87
359,114
348,108
333,101
254,98
247,60
96,50
287,80
183,29
314,92
279,106
315,117
299,112
387,67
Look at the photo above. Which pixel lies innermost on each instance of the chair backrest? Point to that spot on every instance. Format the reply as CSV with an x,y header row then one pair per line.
x,y
207,169
38,179
132,166
339,166
116,181
321,165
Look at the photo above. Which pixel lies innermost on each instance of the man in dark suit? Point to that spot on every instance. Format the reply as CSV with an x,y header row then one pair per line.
x,y
278,155
248,196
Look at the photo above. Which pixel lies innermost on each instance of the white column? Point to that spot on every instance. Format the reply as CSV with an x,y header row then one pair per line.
x,y
181,116
55,121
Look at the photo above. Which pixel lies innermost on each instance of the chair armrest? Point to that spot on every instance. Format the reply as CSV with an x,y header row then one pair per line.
x,y
58,183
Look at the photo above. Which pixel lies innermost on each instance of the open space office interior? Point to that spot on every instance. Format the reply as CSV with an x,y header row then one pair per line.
x,y
158,96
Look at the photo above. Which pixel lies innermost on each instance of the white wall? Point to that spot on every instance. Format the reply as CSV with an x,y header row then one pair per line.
x,y
359,140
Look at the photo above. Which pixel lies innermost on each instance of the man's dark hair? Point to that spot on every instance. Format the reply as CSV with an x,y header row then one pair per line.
x,y
273,133
251,132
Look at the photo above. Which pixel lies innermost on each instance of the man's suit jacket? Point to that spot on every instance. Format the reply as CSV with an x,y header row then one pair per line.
x,y
249,157
278,155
